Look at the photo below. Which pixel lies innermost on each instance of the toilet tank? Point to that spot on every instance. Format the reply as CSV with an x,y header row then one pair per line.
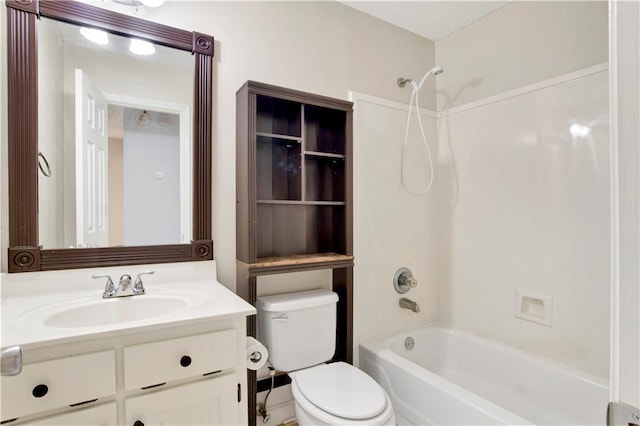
x,y
298,329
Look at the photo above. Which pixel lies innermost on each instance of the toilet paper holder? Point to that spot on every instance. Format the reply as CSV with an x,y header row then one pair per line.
x,y
257,354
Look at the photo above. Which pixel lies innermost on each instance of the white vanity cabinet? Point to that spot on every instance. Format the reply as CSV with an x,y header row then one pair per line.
x,y
58,382
150,364
100,415
207,402
181,375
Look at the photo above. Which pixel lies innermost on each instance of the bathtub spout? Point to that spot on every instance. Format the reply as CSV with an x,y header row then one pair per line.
x,y
409,304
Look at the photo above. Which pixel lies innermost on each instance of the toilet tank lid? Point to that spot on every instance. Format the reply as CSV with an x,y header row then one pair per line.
x,y
294,301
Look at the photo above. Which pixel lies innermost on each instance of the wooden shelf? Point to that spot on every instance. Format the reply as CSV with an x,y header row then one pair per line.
x,y
301,203
303,262
323,154
278,136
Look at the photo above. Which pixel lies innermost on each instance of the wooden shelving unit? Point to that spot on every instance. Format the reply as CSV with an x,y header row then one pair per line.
x,y
294,179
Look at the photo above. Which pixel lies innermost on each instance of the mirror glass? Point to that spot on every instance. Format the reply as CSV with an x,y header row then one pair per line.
x,y
114,136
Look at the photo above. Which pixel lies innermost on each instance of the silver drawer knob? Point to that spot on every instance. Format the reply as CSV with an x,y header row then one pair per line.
x,y
11,361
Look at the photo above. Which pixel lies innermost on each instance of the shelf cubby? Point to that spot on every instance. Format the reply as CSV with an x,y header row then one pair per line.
x,y
278,116
278,163
324,177
298,229
325,129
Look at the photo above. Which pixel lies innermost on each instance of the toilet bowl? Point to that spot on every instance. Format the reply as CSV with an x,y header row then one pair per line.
x,y
339,394
299,331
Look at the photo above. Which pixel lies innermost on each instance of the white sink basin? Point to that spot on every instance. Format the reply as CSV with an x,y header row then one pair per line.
x,y
116,310
91,311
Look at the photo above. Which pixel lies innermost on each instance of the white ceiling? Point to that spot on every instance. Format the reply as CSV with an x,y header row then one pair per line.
x,y
431,19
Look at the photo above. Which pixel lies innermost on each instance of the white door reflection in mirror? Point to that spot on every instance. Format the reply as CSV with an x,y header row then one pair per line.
x,y
91,153
151,177
149,172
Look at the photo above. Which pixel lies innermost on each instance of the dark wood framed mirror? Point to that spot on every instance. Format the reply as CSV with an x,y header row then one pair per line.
x,y
24,252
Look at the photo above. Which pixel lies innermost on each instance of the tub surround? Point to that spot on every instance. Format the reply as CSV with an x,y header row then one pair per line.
x,y
137,370
524,207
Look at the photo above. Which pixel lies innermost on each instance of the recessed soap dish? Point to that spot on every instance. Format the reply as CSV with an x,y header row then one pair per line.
x,y
535,308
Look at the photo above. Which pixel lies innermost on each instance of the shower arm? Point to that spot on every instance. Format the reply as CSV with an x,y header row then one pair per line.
x,y
403,81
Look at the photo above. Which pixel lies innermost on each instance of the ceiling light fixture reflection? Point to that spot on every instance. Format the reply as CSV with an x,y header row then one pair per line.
x,y
95,36
579,131
141,47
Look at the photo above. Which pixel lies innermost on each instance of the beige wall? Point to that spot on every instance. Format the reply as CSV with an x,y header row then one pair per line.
x,y
519,44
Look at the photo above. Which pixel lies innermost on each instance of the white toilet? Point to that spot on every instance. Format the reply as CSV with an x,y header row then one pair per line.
x,y
299,331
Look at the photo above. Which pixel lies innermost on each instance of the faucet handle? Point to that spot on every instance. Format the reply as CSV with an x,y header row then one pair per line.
x,y
403,280
109,288
137,285
409,281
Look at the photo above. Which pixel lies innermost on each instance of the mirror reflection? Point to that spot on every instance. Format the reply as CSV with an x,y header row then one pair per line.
x,y
114,124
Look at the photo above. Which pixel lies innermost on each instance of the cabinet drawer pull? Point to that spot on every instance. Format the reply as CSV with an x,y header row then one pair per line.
x,y
185,361
138,423
40,391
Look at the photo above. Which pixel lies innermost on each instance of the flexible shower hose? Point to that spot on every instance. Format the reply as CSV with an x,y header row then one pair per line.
x,y
415,95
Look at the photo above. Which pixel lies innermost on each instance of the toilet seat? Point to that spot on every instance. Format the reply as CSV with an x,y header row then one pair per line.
x,y
341,390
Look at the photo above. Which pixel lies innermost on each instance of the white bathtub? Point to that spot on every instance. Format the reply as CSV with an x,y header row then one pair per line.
x,y
455,378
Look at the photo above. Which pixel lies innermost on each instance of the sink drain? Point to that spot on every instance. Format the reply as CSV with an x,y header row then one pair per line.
x,y
409,343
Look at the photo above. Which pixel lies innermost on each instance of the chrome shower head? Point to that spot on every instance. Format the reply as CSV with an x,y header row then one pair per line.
x,y
435,71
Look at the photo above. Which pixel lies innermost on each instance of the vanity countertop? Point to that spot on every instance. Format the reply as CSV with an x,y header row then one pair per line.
x,y
35,315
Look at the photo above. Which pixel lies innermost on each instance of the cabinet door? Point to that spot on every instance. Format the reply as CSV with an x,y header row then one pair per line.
x,y
58,383
101,415
152,363
208,402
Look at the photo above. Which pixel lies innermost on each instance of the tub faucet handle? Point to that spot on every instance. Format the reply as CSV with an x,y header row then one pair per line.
x,y
408,281
403,280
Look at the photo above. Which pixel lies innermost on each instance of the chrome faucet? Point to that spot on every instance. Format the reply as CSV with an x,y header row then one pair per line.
x,y
409,304
125,288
